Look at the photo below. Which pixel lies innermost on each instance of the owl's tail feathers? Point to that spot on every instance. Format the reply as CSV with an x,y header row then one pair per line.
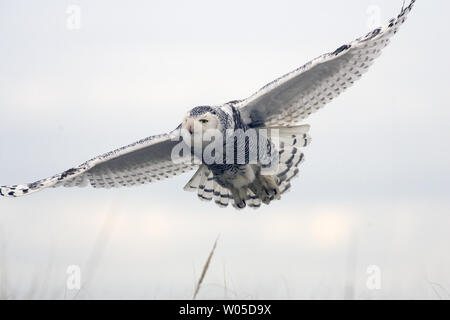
x,y
194,183
265,188
292,139
270,185
295,136
208,189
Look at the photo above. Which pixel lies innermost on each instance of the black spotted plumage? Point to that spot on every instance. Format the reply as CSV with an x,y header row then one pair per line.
x,y
197,111
281,105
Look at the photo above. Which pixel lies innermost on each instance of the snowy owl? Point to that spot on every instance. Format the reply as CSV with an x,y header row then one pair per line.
x,y
229,176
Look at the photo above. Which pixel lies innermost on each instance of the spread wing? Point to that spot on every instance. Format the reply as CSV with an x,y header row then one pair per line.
x,y
294,96
142,162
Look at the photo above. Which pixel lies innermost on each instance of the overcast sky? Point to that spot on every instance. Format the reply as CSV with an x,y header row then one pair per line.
x,y
372,191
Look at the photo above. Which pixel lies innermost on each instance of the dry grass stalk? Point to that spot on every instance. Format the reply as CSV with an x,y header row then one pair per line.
x,y
205,269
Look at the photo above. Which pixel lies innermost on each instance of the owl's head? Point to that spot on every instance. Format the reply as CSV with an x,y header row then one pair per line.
x,y
201,119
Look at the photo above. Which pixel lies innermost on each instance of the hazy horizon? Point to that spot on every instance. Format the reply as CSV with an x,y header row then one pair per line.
x,y
373,190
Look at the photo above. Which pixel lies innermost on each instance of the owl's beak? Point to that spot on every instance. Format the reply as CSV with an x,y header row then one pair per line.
x,y
190,128
189,125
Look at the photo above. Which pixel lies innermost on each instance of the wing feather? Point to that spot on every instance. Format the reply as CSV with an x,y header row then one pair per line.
x,y
294,96
144,161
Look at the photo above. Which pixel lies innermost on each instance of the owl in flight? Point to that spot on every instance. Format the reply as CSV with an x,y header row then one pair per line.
x,y
279,106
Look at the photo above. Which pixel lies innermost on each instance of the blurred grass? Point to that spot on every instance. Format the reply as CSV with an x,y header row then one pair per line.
x,y
205,269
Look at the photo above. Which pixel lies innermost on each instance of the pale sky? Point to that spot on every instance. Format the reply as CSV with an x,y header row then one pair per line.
x,y
372,191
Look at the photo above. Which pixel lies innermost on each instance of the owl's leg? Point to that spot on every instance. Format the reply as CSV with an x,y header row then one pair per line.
x,y
265,187
258,189
239,196
270,187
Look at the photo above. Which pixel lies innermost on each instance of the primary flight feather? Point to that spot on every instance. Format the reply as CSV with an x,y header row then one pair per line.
x,y
279,106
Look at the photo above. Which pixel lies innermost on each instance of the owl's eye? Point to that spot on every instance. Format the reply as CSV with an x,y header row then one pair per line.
x,y
203,121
